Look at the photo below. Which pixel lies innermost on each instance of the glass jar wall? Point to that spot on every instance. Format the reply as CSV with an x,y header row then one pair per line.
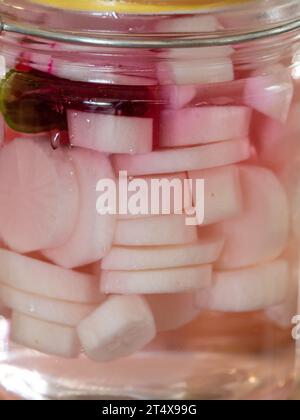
x,y
105,297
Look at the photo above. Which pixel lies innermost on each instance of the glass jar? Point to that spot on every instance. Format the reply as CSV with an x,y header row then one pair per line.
x,y
150,199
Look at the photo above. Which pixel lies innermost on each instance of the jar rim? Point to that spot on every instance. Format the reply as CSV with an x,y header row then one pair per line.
x,y
256,23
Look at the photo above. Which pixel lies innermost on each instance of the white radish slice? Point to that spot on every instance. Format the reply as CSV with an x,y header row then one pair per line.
x,y
222,193
247,290
188,24
195,71
45,309
48,338
121,326
177,97
110,133
48,280
177,280
260,233
205,251
93,233
155,231
270,92
38,195
173,311
169,187
185,159
207,124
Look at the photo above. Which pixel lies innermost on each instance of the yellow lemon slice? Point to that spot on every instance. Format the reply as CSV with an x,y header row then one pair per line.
x,y
138,6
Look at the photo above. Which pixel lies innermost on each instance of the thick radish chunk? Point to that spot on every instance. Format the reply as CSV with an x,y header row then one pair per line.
x,y
260,232
207,124
205,251
170,196
177,280
185,159
270,92
121,326
110,133
39,307
173,311
93,233
38,195
222,193
155,231
195,71
247,290
48,280
48,338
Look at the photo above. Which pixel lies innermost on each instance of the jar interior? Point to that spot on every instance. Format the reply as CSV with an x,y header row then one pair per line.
x,y
191,306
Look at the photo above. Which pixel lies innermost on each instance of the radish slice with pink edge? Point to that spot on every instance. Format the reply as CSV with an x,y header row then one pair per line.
x,y
222,193
38,277
110,133
205,251
177,97
207,124
185,159
260,232
45,337
39,307
95,231
137,193
38,195
270,91
177,280
121,326
173,311
247,290
195,71
155,231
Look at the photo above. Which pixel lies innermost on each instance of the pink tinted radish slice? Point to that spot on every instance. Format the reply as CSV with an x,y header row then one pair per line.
x,y
205,251
248,289
177,280
208,124
110,133
222,193
185,159
121,326
155,231
260,233
48,338
38,196
93,233
170,186
270,92
195,71
38,277
39,307
177,97
173,311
